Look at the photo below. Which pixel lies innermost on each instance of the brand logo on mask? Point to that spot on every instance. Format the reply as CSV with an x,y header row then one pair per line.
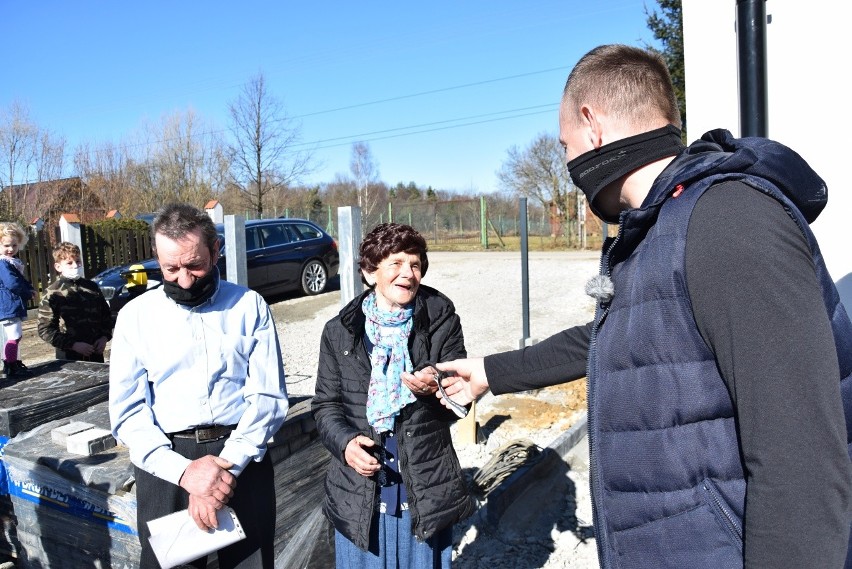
x,y
621,154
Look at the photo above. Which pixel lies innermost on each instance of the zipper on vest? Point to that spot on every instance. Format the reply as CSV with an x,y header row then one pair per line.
x,y
596,480
721,507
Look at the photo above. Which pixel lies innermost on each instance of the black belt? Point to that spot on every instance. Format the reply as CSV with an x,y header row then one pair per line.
x,y
205,434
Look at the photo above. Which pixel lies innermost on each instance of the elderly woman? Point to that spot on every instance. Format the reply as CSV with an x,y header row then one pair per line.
x,y
394,487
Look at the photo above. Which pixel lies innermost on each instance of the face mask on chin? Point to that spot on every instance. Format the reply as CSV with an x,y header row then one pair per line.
x,y
596,169
197,293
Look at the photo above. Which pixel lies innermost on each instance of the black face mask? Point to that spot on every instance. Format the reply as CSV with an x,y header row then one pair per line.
x,y
596,169
201,289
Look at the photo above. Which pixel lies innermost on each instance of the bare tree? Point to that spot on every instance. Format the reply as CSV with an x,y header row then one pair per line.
x,y
106,169
365,170
263,158
539,173
18,135
182,159
29,154
49,156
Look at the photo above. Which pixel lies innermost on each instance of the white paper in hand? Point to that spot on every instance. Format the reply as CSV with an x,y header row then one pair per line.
x,y
176,539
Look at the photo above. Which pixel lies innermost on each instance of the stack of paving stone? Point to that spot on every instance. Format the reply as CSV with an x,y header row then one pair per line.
x,y
72,509
75,510
50,391
303,537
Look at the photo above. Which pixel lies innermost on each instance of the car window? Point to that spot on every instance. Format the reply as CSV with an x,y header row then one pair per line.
x,y
274,235
294,234
252,239
307,231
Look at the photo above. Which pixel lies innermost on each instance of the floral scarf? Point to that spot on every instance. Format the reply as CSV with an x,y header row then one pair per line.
x,y
388,332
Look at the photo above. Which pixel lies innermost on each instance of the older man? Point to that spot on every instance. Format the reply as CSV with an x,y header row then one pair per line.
x,y
197,390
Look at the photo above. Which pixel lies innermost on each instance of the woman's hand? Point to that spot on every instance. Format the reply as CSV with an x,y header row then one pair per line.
x,y
362,461
421,382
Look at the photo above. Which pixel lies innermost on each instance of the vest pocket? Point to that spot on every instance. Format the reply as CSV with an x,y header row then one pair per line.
x,y
695,538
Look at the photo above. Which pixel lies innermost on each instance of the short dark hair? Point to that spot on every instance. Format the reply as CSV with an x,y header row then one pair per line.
x,y
631,83
178,220
388,238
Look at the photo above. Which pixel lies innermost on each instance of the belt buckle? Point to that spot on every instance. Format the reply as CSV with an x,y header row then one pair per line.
x,y
204,435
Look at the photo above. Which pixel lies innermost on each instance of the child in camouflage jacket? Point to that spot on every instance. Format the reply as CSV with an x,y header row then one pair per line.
x,y
73,315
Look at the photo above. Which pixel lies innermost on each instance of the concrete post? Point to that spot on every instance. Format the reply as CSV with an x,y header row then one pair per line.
x,y
235,249
348,241
69,229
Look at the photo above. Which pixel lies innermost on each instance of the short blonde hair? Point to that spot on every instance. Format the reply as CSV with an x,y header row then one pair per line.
x,y
65,250
12,229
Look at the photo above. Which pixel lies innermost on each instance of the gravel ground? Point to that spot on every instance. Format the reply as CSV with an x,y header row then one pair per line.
x,y
549,526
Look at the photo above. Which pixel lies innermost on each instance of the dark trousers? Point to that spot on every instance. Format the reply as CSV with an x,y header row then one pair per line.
x,y
253,501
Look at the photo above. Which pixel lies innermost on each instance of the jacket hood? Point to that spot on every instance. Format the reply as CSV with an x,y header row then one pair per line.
x,y
718,153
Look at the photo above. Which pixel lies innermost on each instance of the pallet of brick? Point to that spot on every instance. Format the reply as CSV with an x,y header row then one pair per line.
x,y
72,510
81,510
302,535
52,390
9,544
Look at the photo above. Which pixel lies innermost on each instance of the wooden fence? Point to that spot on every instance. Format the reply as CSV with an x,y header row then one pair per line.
x,y
113,247
100,250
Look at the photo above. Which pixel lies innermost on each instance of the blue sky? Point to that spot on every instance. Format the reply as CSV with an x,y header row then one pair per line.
x,y
440,90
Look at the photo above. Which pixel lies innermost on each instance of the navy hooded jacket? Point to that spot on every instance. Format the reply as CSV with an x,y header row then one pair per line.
x,y
668,485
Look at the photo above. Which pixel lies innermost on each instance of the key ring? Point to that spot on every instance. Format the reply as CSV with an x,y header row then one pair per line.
x,y
459,410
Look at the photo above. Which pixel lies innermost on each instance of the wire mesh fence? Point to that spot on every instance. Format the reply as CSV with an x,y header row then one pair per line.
x,y
480,222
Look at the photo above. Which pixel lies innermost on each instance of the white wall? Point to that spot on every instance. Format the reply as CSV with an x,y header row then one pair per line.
x,y
807,71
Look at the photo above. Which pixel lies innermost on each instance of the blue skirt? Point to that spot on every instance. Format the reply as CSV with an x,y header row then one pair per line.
x,y
393,546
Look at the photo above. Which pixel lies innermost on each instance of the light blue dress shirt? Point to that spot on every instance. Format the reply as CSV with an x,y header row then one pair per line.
x,y
173,368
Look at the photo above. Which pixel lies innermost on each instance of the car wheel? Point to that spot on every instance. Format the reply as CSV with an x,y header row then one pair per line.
x,y
314,278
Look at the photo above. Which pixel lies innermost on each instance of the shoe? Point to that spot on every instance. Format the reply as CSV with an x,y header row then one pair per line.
x,y
17,367
7,370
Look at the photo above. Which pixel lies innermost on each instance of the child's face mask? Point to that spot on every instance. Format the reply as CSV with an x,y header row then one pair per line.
x,y
72,273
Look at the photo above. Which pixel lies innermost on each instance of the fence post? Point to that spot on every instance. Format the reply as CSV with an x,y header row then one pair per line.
x,y
483,222
329,226
69,229
235,250
348,240
525,277
436,224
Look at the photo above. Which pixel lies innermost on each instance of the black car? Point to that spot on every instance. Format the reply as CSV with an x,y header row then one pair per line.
x,y
282,255
285,255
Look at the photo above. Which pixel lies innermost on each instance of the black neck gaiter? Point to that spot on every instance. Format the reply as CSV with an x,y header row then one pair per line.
x,y
201,289
594,170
